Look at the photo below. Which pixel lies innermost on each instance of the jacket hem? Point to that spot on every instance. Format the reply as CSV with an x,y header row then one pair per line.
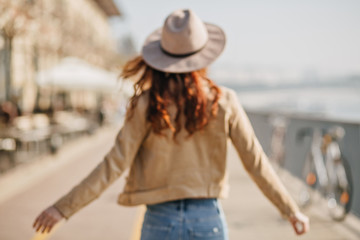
x,y
170,193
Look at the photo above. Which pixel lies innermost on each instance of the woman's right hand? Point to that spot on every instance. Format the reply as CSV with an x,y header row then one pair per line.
x,y
47,219
300,223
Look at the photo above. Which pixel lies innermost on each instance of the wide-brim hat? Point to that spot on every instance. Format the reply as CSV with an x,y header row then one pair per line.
x,y
183,44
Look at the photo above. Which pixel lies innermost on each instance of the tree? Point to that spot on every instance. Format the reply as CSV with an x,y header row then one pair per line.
x,y
15,15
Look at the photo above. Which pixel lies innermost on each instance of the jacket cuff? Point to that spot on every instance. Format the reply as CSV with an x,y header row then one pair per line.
x,y
66,212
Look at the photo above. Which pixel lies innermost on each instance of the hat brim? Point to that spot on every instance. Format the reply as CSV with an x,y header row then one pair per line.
x,y
156,58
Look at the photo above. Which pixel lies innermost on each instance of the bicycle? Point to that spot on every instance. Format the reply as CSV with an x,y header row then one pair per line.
x,y
326,171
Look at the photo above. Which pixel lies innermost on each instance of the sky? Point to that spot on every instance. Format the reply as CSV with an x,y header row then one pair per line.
x,y
266,39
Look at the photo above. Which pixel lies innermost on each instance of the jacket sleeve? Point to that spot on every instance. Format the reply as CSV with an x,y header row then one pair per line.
x,y
120,157
255,161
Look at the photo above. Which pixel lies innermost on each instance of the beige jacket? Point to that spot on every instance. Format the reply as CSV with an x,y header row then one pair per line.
x,y
161,170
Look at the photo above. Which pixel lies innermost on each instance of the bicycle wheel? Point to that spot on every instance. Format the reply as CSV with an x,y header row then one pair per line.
x,y
339,198
310,182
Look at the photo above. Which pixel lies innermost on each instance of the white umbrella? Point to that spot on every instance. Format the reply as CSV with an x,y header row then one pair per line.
x,y
76,74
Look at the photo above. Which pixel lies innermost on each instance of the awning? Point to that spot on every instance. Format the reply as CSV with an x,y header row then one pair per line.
x,y
76,74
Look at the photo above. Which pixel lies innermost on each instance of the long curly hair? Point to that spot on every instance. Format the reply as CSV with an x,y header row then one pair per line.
x,y
186,92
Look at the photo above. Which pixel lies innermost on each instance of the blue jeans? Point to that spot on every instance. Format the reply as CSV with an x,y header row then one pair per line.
x,y
187,219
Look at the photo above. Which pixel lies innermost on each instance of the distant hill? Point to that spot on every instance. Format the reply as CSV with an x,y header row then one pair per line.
x,y
351,81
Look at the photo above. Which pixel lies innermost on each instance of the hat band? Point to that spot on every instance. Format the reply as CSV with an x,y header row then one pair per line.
x,y
182,55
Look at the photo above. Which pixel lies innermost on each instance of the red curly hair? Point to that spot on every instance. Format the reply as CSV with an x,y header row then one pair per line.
x,y
186,93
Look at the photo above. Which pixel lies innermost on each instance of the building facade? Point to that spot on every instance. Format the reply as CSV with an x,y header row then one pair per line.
x,y
36,34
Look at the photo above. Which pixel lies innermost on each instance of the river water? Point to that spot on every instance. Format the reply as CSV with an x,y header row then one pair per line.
x,y
340,103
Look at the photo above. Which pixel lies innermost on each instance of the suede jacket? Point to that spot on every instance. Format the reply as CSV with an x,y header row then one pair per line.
x,y
192,167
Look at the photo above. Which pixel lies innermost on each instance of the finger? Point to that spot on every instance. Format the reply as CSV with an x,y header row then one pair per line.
x,y
307,227
48,224
38,219
43,222
296,227
38,223
51,225
39,226
44,228
35,223
41,217
300,226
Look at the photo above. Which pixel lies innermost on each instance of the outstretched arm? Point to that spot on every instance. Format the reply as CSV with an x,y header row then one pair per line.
x,y
120,157
257,165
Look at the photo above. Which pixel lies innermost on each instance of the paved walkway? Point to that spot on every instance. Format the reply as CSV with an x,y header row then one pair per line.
x,y
251,216
27,191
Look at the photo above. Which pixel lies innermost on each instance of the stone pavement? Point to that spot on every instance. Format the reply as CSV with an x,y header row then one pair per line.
x,y
28,190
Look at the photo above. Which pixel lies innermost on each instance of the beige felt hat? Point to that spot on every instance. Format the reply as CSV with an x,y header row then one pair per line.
x,y
183,44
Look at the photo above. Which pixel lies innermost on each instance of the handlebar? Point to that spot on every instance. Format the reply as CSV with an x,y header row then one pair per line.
x,y
336,132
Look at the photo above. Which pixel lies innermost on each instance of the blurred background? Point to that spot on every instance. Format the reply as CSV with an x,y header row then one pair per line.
x,y
294,64
59,62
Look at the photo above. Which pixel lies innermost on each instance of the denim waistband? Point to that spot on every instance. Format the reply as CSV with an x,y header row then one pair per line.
x,y
188,201
185,203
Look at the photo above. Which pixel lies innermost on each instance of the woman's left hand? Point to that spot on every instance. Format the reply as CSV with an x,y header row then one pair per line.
x,y
47,219
300,223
